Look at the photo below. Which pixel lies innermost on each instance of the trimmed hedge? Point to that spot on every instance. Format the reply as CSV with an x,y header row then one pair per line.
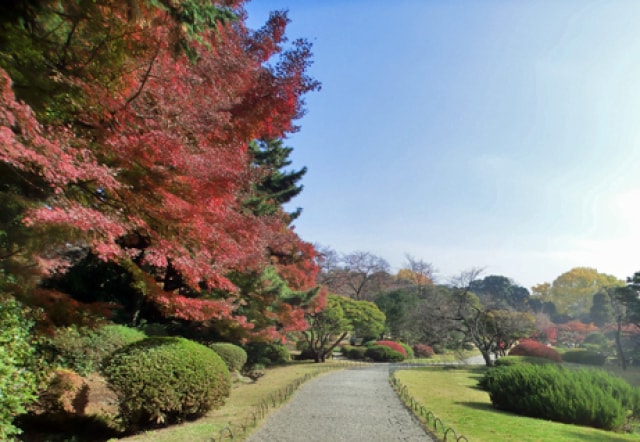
x,y
586,357
383,353
582,397
353,352
163,380
393,345
536,349
233,355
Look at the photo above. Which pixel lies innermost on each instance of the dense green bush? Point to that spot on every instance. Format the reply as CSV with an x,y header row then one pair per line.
x,y
587,357
233,355
164,380
407,350
582,397
383,353
266,353
530,347
596,338
353,352
17,363
393,345
83,349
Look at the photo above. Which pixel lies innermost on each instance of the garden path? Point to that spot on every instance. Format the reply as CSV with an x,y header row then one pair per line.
x,y
349,405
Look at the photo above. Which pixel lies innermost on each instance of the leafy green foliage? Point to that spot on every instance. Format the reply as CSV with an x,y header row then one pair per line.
x,y
83,350
276,186
397,306
584,397
395,346
164,380
266,354
499,292
341,315
356,353
408,351
587,357
601,312
233,355
17,379
383,353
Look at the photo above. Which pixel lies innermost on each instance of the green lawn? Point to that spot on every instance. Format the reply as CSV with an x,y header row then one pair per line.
x,y
451,395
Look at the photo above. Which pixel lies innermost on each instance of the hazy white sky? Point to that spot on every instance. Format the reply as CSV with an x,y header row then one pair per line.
x,y
472,133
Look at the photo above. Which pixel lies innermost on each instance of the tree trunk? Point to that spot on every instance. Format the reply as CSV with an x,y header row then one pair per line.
x,y
621,356
487,358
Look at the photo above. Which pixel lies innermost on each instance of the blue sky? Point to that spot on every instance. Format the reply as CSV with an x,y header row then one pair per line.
x,y
472,133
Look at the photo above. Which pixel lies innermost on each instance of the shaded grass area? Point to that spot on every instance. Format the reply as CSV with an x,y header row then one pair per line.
x,y
242,408
451,394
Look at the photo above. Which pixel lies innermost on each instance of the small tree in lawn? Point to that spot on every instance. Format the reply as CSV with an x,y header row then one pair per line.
x,y
329,326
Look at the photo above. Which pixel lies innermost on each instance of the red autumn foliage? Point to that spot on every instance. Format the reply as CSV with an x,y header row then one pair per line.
x,y
393,346
423,351
158,151
573,333
529,347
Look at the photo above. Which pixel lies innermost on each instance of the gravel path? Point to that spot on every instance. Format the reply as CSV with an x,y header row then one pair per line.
x,y
348,405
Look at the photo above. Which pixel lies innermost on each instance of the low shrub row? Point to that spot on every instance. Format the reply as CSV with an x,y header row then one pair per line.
x,y
582,397
378,351
383,353
353,352
582,356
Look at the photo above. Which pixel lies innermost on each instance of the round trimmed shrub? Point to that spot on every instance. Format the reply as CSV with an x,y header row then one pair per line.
x,y
383,353
581,397
233,355
163,380
393,345
423,351
267,353
536,349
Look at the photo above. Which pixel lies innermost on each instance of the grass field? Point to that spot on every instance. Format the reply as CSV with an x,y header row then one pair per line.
x,y
452,396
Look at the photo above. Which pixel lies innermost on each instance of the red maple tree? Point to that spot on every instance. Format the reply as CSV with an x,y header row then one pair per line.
x,y
149,167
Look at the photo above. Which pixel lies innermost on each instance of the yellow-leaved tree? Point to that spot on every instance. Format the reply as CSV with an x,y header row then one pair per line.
x,y
572,292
